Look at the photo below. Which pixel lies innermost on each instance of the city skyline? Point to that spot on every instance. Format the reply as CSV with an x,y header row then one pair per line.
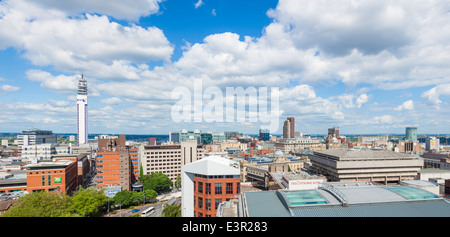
x,y
372,67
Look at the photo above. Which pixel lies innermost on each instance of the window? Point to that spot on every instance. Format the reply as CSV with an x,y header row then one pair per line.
x,y
208,188
217,202
229,188
200,187
218,188
238,187
200,202
208,204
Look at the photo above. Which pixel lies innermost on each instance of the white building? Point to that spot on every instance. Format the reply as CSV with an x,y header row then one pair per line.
x,y
36,137
82,111
168,159
432,143
39,152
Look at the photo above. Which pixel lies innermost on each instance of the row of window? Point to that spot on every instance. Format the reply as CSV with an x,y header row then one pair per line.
x,y
218,189
43,172
164,160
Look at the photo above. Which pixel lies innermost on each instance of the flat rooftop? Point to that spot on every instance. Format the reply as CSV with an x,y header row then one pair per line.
x,y
364,154
353,199
49,165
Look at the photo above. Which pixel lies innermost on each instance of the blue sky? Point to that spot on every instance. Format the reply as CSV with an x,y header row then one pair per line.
x,y
364,66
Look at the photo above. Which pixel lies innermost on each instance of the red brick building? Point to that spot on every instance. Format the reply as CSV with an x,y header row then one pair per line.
x,y
207,183
116,163
210,191
52,176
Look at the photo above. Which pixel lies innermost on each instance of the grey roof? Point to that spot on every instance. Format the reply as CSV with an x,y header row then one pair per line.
x,y
265,204
349,154
427,208
213,165
361,201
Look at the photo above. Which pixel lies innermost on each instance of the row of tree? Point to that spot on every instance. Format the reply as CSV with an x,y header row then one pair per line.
x,y
90,202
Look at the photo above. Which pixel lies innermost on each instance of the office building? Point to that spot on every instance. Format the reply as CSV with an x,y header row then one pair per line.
x,y
334,132
52,176
36,137
113,163
411,134
437,159
206,138
230,135
168,159
287,129
83,166
207,183
291,126
383,166
432,143
43,151
264,135
288,145
190,135
82,112
174,137
408,146
219,136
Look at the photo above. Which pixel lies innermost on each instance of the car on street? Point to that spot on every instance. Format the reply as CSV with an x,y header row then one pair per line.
x,y
135,210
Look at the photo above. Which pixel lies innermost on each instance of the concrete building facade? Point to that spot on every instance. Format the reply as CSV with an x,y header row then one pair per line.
x,y
168,159
366,165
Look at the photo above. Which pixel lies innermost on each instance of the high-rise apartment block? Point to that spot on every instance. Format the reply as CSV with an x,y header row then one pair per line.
x,y
116,163
82,110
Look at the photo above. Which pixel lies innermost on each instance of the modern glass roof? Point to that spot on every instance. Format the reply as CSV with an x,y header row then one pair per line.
x,y
304,197
411,193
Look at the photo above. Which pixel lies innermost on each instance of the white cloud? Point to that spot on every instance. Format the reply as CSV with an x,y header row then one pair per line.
x,y
390,45
407,105
8,88
198,4
111,100
131,10
384,119
88,43
434,94
60,83
362,99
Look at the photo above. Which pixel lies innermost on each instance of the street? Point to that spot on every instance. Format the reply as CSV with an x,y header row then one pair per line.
x,y
158,206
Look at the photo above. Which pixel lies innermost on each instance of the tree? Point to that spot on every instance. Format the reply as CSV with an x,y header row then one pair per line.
x,y
88,202
124,198
41,204
141,172
178,182
171,210
156,181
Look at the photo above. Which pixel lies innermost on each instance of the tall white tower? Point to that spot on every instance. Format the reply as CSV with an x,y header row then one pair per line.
x,y
82,111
